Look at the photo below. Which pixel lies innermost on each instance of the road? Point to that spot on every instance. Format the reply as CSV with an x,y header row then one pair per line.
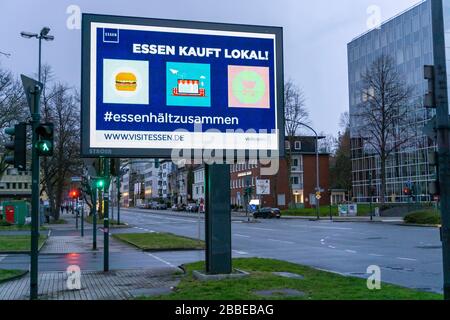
x,y
407,256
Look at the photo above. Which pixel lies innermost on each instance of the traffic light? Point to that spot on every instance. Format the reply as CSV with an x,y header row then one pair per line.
x,y
45,142
433,186
17,146
115,168
407,191
100,183
74,194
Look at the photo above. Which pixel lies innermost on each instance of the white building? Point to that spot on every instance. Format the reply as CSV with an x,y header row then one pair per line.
x,y
15,184
198,187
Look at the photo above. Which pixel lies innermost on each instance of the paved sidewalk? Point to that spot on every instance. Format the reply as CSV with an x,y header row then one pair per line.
x,y
114,285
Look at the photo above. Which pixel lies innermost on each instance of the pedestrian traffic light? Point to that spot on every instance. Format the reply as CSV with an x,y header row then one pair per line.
x,y
45,142
16,148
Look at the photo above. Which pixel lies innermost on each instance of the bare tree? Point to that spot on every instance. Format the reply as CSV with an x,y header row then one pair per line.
x,y
382,115
295,113
60,106
341,164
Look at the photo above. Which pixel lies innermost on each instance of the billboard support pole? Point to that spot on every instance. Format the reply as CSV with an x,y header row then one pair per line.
x,y
218,219
106,168
35,167
443,130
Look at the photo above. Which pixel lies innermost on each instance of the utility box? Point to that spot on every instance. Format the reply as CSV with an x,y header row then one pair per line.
x,y
16,212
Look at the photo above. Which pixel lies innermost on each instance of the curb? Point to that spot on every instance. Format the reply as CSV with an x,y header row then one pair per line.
x,y
419,225
159,250
19,276
28,252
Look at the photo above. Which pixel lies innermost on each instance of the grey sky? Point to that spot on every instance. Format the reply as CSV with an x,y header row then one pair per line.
x,y
316,34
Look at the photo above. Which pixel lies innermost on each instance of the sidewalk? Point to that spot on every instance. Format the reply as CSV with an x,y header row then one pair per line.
x,y
114,285
95,285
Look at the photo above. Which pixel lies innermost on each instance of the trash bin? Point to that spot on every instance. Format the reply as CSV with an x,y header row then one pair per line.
x,y
16,211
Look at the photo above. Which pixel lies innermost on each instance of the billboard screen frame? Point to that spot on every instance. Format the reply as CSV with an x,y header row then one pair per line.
x,y
87,19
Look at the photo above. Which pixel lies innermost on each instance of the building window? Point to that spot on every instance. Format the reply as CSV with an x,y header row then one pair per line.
x,y
295,180
298,145
287,145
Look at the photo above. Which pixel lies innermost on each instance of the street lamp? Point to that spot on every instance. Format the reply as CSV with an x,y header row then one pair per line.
x,y
44,34
317,163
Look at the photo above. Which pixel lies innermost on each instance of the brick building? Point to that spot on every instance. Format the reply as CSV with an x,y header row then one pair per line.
x,y
303,178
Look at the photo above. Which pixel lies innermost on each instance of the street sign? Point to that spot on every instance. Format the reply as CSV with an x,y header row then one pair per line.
x,y
262,187
152,86
76,179
29,86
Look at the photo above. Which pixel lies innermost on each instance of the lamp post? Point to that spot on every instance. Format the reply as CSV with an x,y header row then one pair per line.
x,y
43,34
317,163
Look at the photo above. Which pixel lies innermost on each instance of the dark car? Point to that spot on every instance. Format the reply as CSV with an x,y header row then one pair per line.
x,y
179,207
267,213
192,207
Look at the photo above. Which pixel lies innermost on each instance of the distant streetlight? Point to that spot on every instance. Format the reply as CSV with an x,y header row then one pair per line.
x,y
44,34
317,164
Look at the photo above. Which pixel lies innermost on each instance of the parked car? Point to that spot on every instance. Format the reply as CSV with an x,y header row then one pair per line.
x,y
161,206
267,213
179,207
192,207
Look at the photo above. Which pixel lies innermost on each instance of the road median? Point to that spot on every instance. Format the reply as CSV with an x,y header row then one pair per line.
x,y
154,242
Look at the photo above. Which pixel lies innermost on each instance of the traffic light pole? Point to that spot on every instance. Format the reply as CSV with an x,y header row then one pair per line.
x,y
106,168
36,117
442,125
94,217
118,199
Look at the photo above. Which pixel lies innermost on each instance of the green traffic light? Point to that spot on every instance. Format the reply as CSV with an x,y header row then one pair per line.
x,y
45,148
100,184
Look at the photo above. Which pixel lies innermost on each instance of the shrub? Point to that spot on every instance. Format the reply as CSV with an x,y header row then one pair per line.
x,y
423,217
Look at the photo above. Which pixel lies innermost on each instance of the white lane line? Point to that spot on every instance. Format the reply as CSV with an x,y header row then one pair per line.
x,y
2,258
161,260
406,259
375,255
241,235
331,247
330,228
281,241
242,253
262,229
184,220
351,251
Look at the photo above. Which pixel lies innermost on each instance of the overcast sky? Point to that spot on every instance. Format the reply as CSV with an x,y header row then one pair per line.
x,y
316,34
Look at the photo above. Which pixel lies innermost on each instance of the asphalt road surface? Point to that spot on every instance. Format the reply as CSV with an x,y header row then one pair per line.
x,y
407,256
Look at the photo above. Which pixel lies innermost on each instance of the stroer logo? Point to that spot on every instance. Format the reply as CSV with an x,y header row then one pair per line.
x,y
111,35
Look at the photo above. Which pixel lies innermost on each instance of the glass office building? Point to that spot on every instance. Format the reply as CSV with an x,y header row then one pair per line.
x,y
407,39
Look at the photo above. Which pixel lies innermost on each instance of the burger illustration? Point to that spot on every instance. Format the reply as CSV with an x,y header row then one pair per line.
x,y
126,81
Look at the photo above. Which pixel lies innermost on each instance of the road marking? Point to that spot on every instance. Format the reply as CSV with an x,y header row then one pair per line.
x,y
161,260
243,253
262,229
2,258
331,228
241,235
375,255
281,241
351,251
406,259
331,247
